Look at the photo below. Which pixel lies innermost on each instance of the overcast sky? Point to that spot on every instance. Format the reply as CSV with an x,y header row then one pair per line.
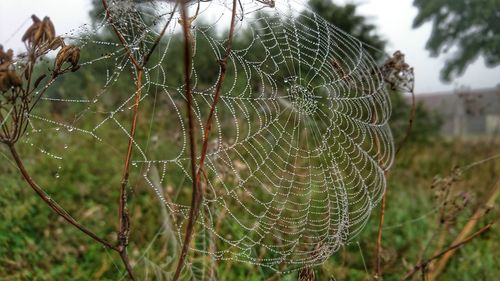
x,y
392,17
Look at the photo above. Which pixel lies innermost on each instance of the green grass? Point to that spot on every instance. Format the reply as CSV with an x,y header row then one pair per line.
x,y
35,244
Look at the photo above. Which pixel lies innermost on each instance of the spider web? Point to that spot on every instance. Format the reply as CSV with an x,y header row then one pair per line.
x,y
299,144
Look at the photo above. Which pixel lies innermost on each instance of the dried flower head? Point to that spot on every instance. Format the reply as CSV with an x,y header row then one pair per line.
x,y
8,77
5,58
40,32
19,88
397,73
69,54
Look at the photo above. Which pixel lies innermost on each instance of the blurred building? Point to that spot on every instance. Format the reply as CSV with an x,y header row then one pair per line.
x,y
465,112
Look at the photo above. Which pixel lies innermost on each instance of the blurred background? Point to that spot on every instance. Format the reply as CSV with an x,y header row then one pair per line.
x,y
447,171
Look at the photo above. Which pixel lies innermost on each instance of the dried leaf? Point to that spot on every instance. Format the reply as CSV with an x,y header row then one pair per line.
x,y
39,79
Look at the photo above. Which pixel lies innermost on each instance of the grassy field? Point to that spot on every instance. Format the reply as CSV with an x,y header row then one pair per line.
x,y
35,244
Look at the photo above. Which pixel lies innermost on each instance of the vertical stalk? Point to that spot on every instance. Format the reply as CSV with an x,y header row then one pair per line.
x,y
197,195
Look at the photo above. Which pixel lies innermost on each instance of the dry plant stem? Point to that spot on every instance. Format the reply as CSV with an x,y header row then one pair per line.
x,y
378,268
123,216
480,212
189,103
197,192
453,247
124,221
378,259
218,89
52,204
410,122
158,39
120,35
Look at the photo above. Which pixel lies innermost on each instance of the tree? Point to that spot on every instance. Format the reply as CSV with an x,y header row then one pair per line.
x,y
470,26
346,18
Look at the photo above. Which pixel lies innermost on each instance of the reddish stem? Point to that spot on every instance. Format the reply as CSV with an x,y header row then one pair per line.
x,y
197,193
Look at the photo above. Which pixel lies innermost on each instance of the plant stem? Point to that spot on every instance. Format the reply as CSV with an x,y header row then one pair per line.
x,y
120,35
411,118
197,196
378,270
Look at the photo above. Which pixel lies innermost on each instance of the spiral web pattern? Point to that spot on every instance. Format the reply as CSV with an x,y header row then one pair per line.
x,y
299,144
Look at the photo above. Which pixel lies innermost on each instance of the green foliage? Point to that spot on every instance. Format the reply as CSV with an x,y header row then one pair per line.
x,y
346,18
470,27
36,245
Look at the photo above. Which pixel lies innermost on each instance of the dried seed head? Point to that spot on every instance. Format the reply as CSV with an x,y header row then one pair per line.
x,y
8,77
69,54
397,73
5,58
39,33
8,80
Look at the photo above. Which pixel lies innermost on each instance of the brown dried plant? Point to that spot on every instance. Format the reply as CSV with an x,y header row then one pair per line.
x,y
399,76
20,90
451,204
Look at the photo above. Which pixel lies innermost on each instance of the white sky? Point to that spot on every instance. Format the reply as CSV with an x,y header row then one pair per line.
x,y
392,17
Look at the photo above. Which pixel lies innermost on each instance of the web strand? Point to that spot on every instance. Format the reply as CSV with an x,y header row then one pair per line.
x,y
300,139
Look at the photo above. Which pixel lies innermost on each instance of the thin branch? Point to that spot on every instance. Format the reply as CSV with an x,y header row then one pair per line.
x,y
218,89
410,122
128,267
378,268
52,204
123,216
158,39
453,247
197,193
120,35
196,196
